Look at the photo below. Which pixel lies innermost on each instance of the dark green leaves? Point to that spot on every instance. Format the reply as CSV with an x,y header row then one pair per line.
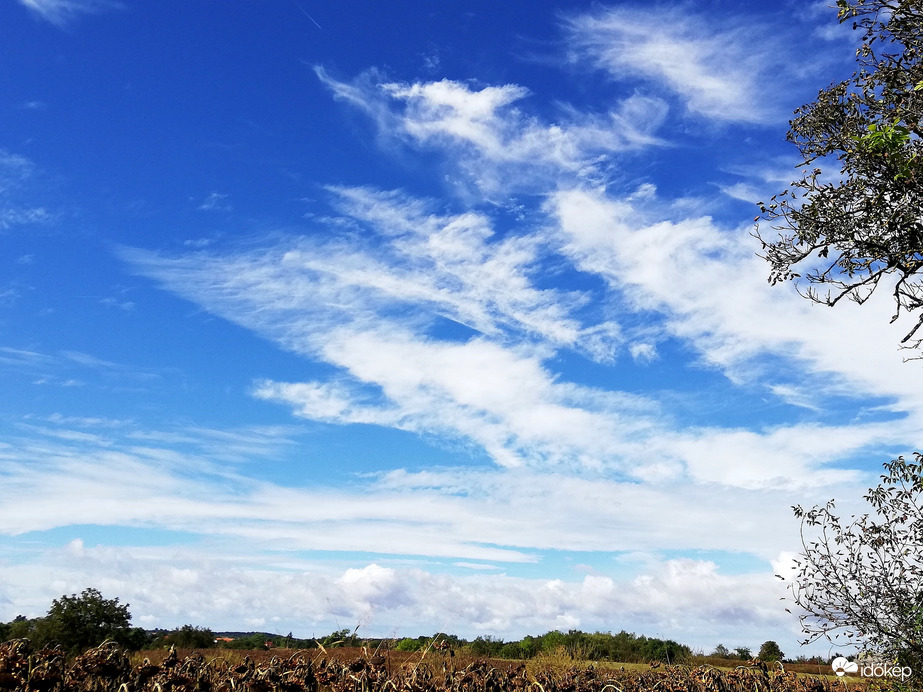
x,y
854,216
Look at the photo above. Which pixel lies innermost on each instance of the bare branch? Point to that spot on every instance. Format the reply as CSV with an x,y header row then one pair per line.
x,y
863,581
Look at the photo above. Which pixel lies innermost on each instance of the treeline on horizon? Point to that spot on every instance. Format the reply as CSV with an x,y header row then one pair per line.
x,y
78,622
625,647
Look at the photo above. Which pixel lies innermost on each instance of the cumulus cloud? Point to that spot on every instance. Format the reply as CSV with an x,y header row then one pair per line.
x,y
672,595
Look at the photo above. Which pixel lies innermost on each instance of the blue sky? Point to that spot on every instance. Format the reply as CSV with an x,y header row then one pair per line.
x,y
420,316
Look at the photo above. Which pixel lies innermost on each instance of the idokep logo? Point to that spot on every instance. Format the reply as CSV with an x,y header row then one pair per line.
x,y
842,666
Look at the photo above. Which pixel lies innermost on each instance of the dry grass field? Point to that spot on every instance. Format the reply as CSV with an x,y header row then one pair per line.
x,y
109,669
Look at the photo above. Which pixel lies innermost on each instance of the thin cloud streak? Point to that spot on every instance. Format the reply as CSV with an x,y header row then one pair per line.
x,y
106,478
63,12
452,266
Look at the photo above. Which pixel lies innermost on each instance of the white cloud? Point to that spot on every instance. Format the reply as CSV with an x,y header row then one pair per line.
x,y
709,284
505,402
22,358
674,596
185,480
370,312
374,586
110,302
14,169
10,218
745,192
643,352
780,457
718,72
251,530
367,301
499,148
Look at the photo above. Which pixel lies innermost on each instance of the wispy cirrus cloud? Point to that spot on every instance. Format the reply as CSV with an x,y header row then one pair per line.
x,y
705,281
71,368
371,308
215,201
377,310
13,218
411,266
373,298
636,241
506,403
116,473
498,146
63,12
714,67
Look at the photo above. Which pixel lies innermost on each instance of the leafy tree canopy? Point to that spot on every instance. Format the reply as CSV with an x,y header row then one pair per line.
x,y
78,622
721,651
187,637
408,644
770,651
843,231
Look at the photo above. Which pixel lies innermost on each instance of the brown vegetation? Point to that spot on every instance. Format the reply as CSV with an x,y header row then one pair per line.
x,y
108,668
